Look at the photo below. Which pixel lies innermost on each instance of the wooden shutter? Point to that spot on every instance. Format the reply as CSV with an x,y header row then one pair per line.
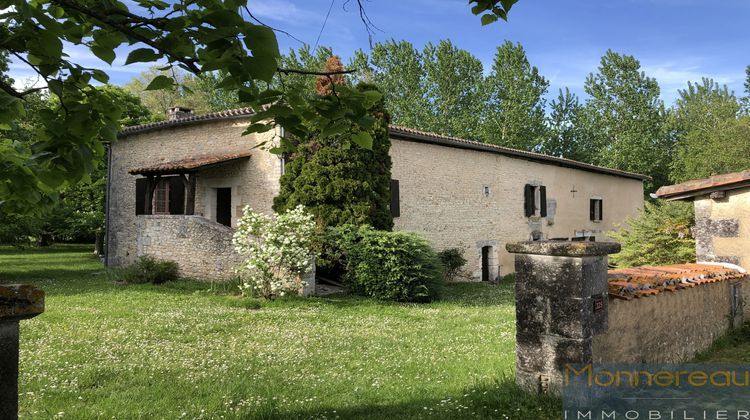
x,y
601,209
528,200
395,199
543,201
592,209
176,195
141,187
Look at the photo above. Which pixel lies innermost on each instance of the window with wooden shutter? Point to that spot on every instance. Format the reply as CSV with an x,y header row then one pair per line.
x,y
528,200
395,199
595,209
535,200
141,185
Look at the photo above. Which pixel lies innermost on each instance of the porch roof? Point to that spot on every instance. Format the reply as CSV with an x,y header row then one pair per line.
x,y
188,165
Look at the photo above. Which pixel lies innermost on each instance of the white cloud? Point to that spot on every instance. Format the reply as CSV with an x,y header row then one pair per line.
x,y
671,74
283,11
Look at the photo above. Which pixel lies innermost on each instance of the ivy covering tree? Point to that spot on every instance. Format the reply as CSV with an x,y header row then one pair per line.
x,y
336,184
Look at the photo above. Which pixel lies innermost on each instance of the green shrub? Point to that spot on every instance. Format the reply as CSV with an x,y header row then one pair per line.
x,y
657,236
332,247
399,266
453,261
147,269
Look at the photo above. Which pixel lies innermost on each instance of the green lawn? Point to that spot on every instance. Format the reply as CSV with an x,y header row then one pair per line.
x,y
179,350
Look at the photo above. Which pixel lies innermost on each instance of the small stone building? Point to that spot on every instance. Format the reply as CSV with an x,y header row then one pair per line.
x,y
177,187
722,215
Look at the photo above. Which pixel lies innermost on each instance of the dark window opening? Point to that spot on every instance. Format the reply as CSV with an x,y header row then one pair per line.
x,y
535,200
224,206
596,210
486,263
395,199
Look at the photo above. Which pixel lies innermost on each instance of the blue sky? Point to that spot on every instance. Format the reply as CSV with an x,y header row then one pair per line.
x,y
675,40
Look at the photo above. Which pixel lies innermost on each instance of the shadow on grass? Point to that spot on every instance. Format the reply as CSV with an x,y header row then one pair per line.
x,y
499,400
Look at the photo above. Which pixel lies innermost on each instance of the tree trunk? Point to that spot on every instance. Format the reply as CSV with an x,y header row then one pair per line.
x,y
99,244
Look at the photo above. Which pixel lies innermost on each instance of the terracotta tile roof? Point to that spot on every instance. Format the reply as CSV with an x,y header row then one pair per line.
x,y
192,119
187,165
629,283
704,186
427,137
403,133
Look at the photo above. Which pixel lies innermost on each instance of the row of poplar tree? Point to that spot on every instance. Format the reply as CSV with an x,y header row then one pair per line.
x,y
622,122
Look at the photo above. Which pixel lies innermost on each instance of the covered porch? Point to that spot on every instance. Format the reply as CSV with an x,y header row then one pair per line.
x,y
169,188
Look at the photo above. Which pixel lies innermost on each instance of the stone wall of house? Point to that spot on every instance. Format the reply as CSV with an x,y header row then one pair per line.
x,y
722,227
202,248
669,327
254,181
442,196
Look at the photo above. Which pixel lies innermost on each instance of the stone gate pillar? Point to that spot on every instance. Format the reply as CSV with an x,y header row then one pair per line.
x,y
17,302
561,301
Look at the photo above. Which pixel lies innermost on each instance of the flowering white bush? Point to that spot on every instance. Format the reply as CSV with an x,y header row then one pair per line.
x,y
276,251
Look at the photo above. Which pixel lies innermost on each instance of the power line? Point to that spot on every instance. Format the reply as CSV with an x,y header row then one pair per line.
x,y
324,25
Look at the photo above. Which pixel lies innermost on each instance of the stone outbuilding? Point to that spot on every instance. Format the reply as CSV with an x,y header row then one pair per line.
x,y
177,188
722,215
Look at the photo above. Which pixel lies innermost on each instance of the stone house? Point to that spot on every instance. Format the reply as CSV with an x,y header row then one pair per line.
x,y
178,186
722,215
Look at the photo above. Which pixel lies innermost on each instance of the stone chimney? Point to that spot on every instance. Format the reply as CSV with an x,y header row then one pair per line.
x,y
178,112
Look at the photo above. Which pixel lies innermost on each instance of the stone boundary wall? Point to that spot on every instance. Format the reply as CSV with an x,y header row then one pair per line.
x,y
670,327
202,248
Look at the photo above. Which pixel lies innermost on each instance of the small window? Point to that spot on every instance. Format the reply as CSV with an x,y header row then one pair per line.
x,y
535,200
596,210
161,197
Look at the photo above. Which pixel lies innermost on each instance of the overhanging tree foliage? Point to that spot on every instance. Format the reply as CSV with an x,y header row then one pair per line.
x,y
196,36
78,215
